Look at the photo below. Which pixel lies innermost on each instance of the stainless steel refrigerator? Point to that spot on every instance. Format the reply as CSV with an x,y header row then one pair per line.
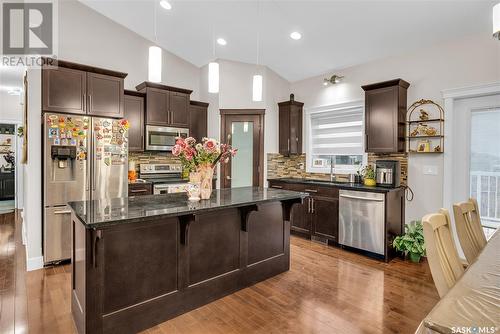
x,y
85,158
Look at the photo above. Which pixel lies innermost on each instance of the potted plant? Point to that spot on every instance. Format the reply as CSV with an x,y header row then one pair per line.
x,y
412,242
201,158
369,176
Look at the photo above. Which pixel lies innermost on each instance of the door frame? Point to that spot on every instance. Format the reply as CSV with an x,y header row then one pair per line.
x,y
450,96
223,135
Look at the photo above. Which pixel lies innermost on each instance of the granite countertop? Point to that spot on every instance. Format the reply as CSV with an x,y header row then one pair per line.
x,y
100,213
336,184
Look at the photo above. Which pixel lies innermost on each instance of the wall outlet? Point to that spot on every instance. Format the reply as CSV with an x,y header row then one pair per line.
x,y
430,170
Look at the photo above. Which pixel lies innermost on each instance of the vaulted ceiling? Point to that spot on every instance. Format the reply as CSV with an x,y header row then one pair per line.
x,y
335,34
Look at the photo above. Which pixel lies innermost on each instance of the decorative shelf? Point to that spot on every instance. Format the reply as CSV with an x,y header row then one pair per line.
x,y
427,144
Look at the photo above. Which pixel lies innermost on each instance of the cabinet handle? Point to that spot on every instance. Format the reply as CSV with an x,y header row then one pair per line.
x,y
97,237
277,187
288,144
308,205
312,204
310,190
138,190
90,103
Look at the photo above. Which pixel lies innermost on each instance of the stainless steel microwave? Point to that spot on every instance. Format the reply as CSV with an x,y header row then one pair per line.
x,y
161,138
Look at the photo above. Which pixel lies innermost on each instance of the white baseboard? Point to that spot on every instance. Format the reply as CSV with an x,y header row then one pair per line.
x,y
34,263
23,229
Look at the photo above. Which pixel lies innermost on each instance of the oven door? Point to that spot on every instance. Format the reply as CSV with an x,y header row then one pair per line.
x,y
169,188
160,138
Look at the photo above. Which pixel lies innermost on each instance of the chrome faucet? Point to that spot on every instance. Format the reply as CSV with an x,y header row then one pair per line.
x,y
332,176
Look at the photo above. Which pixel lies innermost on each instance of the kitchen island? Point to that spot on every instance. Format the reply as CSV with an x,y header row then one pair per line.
x,y
139,261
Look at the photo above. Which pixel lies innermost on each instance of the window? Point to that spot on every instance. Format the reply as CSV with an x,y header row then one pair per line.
x,y
335,133
485,166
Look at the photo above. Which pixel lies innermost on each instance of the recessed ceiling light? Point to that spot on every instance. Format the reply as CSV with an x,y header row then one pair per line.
x,y
296,35
165,4
221,41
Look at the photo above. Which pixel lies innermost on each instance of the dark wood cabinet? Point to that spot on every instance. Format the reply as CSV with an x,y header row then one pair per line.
x,y
166,105
179,109
140,189
64,90
7,186
105,95
134,112
318,215
325,216
290,127
198,120
385,115
80,89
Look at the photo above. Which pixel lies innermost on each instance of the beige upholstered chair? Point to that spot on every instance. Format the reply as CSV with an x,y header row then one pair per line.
x,y
442,254
469,230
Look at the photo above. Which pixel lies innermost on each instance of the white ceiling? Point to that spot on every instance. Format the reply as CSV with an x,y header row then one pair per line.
x,y
336,34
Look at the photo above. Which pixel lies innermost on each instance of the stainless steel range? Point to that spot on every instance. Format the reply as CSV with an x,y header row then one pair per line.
x,y
166,178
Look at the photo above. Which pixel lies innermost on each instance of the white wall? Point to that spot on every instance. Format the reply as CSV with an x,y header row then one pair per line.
x,y
32,212
470,61
90,38
235,92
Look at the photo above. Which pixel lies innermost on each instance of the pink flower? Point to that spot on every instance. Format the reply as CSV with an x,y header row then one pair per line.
x,y
190,141
210,145
176,150
180,142
233,151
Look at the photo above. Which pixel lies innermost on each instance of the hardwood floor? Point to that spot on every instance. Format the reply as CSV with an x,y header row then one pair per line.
x,y
327,290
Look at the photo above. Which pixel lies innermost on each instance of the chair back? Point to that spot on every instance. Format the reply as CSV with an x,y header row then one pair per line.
x,y
469,230
442,254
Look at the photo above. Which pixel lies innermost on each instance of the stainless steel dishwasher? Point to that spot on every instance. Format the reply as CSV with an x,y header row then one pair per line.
x,y
361,220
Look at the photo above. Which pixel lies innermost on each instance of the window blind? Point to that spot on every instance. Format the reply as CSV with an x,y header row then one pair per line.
x,y
337,132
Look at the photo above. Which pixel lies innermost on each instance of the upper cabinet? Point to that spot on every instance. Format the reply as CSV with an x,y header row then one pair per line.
x,y
134,113
166,105
385,115
79,89
198,119
290,127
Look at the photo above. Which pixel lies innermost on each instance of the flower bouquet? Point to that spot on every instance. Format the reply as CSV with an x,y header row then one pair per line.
x,y
200,159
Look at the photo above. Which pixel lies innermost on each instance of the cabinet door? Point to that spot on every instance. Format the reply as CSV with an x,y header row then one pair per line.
x,y
134,113
157,101
179,109
198,122
105,95
325,217
64,90
295,131
381,120
300,218
284,130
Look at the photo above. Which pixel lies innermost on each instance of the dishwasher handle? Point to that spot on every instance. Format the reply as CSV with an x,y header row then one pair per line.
x,y
362,198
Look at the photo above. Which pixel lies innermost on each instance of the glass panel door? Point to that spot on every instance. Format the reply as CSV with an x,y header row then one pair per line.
x,y
242,163
485,165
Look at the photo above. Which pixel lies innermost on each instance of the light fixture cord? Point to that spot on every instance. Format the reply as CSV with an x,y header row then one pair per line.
x,y
154,21
258,32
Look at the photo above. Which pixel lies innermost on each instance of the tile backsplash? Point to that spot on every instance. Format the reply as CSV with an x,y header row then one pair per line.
x,y
295,166
152,158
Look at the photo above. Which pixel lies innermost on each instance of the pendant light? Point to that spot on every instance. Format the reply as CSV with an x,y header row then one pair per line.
x,y
496,21
155,57
257,78
213,71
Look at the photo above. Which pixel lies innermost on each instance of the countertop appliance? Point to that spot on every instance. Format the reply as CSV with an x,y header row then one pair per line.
x,y
161,138
388,173
362,220
85,158
166,178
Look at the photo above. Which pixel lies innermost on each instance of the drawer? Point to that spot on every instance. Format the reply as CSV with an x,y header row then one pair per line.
x,y
138,189
327,191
